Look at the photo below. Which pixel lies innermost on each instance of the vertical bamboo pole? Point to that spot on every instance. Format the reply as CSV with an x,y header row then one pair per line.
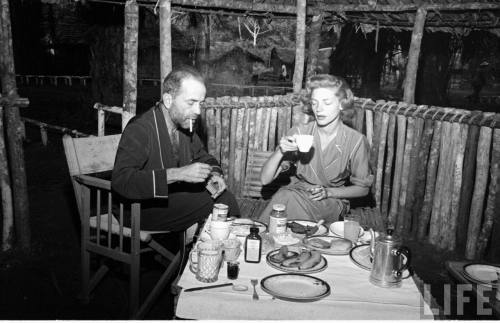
x,y
233,178
246,143
450,146
165,39
300,45
423,156
430,183
314,40
225,157
273,125
493,202
413,54
460,135
386,195
239,170
5,186
411,217
469,172
436,216
218,132
369,127
211,144
398,168
401,223
265,128
130,52
476,210
380,158
14,131
360,119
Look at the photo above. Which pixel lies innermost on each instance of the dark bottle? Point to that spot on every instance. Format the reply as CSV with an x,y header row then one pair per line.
x,y
253,246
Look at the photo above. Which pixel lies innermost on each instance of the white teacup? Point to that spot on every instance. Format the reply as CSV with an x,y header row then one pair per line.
x,y
304,142
219,230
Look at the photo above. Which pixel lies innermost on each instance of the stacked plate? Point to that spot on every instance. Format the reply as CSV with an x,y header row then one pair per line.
x,y
482,274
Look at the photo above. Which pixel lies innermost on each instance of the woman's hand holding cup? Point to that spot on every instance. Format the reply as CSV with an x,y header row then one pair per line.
x,y
287,144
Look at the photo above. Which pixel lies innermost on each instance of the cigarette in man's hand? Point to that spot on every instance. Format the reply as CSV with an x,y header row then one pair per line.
x,y
190,125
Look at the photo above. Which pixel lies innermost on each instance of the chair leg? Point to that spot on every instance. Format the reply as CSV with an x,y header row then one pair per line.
x,y
160,285
85,259
134,285
161,250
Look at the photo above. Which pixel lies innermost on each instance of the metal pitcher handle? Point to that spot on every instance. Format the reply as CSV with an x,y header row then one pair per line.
x,y
406,252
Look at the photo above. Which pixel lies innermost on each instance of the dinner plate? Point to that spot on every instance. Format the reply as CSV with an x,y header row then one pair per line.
x,y
295,287
482,273
321,230
316,269
337,229
241,227
308,242
360,256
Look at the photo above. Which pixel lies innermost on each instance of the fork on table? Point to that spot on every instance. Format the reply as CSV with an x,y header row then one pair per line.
x,y
254,282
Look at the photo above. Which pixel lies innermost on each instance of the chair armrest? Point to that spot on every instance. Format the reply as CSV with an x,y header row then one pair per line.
x,y
93,181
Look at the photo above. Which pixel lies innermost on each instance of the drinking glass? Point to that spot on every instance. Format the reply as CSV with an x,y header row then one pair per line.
x,y
351,227
206,261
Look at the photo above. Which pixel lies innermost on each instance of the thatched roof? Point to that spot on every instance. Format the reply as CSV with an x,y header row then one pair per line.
x,y
457,16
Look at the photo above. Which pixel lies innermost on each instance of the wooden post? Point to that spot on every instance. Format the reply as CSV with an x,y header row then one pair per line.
x,y
423,156
476,209
130,51
430,183
5,187
493,200
467,187
300,44
14,131
386,195
460,138
413,54
165,39
314,40
398,169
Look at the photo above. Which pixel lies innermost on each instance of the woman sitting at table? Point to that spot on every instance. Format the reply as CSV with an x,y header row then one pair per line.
x,y
336,166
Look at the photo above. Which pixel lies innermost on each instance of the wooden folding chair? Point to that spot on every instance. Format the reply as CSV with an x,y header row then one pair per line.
x,y
112,239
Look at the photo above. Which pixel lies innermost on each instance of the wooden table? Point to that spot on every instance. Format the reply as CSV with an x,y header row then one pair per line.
x,y
485,294
352,296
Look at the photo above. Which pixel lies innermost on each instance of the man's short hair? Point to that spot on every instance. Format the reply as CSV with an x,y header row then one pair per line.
x,y
173,80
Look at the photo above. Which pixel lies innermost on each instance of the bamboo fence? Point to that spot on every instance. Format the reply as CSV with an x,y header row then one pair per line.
x,y
436,169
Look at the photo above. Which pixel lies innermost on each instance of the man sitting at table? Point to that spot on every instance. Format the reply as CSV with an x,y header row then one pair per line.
x,y
162,163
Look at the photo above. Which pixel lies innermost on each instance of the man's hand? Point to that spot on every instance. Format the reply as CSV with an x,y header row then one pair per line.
x,y
217,181
194,173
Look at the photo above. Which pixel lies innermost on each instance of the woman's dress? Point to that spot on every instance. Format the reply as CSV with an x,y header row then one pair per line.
x,y
344,161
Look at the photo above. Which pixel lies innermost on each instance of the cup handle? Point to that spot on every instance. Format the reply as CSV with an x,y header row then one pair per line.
x,y
406,252
194,264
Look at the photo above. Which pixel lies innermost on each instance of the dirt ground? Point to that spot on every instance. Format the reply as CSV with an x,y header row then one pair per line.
x,y
45,283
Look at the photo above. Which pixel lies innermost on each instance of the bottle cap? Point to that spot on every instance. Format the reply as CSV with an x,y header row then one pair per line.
x,y
254,230
279,207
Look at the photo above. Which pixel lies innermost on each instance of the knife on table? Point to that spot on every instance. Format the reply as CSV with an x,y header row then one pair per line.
x,y
207,287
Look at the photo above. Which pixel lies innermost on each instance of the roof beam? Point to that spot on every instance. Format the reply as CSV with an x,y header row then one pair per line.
x,y
243,6
412,7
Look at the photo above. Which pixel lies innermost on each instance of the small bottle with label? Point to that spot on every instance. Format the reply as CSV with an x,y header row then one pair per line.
x,y
253,246
278,220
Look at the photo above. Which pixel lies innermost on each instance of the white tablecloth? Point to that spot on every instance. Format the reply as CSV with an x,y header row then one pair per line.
x,y
352,297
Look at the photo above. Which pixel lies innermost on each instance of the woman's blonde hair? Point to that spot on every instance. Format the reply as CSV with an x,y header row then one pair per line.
x,y
338,84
